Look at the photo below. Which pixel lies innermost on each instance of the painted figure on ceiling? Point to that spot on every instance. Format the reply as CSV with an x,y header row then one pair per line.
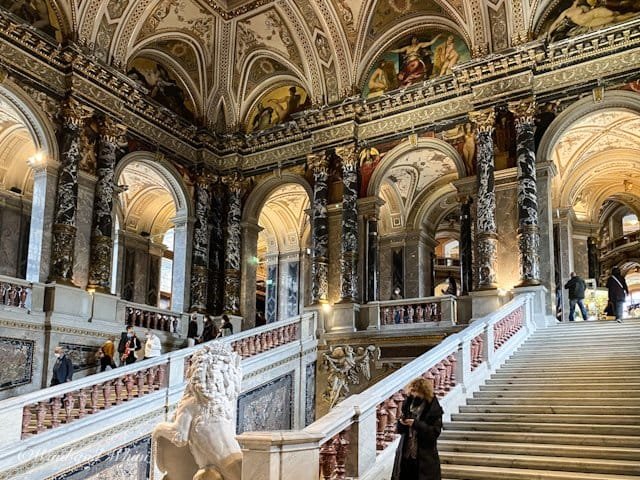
x,y
446,56
417,64
369,160
383,79
277,106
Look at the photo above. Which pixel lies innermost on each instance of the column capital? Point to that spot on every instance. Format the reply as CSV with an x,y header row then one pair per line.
x,y
110,130
74,112
318,162
233,182
524,110
484,120
347,154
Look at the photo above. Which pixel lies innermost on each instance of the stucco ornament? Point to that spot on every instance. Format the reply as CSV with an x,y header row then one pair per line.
x,y
347,366
200,443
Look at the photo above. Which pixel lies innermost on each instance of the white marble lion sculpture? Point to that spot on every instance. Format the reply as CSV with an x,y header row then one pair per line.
x,y
200,443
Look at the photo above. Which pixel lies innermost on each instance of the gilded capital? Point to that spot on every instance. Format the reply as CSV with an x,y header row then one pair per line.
x,y
318,162
348,156
233,182
74,112
484,120
524,110
111,131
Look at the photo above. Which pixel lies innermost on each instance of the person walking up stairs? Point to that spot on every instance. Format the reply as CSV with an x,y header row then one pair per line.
x,y
565,406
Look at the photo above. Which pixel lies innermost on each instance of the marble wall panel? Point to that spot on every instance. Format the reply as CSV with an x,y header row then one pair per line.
x,y
11,221
16,362
267,407
386,271
129,462
292,289
84,218
272,293
83,357
141,276
581,257
508,267
310,397
335,242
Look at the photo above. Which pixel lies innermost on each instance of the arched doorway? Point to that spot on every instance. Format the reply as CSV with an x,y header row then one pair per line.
x,y
151,246
277,285
415,182
28,153
595,147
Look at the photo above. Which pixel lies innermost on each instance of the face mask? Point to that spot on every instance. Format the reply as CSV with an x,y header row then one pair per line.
x,y
57,355
129,335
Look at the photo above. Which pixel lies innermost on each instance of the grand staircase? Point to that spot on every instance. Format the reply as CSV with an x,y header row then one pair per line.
x,y
565,406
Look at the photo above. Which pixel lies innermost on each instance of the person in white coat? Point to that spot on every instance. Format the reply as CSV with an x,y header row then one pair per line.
x,y
152,346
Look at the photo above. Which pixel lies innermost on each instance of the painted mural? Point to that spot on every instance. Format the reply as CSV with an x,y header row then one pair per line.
x,y
163,86
569,18
16,362
268,407
415,59
276,107
36,13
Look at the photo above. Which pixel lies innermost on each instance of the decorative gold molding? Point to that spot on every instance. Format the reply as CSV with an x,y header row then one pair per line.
x,y
484,119
524,110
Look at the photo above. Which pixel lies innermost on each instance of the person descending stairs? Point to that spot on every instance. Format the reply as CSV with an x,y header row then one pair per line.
x,y
565,406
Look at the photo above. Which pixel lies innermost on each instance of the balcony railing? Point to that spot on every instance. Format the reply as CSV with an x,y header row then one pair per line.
x,y
412,312
447,262
630,239
359,435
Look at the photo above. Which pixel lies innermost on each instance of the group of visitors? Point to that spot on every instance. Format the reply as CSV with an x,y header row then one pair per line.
x,y
617,293
210,329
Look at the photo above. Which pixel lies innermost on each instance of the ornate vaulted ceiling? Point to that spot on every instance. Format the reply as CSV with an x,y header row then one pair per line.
x,y
250,65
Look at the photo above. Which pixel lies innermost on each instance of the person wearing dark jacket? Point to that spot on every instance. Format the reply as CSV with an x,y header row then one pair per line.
x,y
62,369
618,292
576,287
419,425
128,346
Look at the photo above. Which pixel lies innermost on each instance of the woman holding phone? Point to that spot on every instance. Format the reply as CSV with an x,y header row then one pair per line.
x,y
420,426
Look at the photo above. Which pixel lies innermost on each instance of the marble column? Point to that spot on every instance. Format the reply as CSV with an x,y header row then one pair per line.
x,y
64,223
486,230
372,259
180,284
466,246
250,232
200,251
349,244
45,180
528,228
564,223
102,231
232,246
320,229
215,295
593,256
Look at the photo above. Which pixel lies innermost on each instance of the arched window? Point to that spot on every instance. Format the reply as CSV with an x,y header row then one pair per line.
x,y
630,223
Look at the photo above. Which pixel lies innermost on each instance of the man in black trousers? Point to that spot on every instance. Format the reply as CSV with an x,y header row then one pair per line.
x,y
576,287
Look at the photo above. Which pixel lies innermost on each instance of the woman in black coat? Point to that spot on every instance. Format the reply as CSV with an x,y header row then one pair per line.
x,y
420,426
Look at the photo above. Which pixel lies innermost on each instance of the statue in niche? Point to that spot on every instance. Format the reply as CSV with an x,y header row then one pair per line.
x,y
347,366
200,443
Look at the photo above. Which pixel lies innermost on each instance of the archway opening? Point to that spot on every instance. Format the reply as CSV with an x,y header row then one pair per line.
x,y
145,245
282,246
18,148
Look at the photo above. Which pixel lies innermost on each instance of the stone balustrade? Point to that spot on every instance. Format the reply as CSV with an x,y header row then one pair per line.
x,y
15,293
33,415
363,426
415,311
154,318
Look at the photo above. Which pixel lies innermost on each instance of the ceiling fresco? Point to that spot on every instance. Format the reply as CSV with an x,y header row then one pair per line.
x,y
16,146
276,107
214,53
284,220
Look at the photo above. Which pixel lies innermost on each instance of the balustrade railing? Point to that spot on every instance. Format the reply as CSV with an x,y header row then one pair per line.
x,y
355,434
413,311
447,262
623,241
45,410
15,293
153,318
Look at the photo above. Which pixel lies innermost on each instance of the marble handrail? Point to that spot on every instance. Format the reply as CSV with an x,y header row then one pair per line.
x,y
47,409
367,421
15,292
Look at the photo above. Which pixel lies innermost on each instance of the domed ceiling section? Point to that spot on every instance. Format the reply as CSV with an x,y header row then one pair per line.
x,y
16,147
597,158
284,220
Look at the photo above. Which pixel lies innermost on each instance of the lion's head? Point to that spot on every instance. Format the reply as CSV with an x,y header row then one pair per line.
x,y
214,379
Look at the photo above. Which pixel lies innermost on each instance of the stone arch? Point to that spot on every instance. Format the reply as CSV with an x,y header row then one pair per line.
x,y
42,132
284,261
182,221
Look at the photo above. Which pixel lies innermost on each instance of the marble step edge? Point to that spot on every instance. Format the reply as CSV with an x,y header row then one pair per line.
x,y
625,441
541,449
604,410
603,429
543,462
473,472
628,420
579,401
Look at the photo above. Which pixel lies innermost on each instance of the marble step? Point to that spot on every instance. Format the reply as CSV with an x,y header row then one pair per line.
x,y
486,399
590,354
472,436
533,462
546,427
595,376
562,386
472,472
571,368
497,392
559,409
534,379
529,448
543,462
546,418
